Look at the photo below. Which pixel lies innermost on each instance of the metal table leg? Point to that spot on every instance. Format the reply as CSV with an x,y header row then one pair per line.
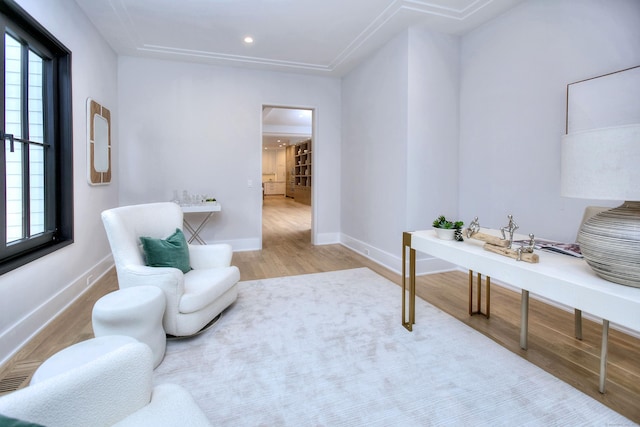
x,y
524,319
408,313
603,355
487,311
577,323
195,233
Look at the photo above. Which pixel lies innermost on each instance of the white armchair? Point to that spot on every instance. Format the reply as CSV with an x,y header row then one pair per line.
x,y
194,298
114,389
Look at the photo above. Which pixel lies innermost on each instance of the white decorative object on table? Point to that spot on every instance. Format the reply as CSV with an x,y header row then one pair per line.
x,y
448,230
445,233
604,164
600,158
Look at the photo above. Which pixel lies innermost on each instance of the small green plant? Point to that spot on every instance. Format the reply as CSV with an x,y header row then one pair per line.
x,y
442,222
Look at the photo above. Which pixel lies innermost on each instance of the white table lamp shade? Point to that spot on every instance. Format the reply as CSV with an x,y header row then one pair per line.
x,y
602,164
605,164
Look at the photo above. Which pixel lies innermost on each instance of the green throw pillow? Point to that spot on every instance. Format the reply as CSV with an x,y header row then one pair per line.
x,y
13,422
170,252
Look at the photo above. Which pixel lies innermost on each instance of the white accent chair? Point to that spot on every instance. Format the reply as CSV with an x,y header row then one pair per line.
x,y
194,298
113,389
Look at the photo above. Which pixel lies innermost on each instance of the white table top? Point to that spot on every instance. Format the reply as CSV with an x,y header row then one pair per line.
x,y
205,207
564,279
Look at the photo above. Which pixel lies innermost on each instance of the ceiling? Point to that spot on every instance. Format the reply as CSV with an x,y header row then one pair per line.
x,y
325,37
320,37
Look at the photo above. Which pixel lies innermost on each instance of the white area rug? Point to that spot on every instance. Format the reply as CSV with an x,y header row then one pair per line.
x,y
329,349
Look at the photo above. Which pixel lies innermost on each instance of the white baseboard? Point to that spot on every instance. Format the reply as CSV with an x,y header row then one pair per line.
x,y
25,329
327,238
243,245
424,264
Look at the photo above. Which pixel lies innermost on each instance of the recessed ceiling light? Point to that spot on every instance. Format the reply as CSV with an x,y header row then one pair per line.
x,y
248,40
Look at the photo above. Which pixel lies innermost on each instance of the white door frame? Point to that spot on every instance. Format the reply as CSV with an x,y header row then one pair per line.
x,y
314,174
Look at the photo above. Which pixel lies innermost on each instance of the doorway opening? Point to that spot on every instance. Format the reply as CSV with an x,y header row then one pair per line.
x,y
287,175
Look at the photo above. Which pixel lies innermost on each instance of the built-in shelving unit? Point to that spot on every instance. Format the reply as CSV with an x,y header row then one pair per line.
x,y
291,171
302,172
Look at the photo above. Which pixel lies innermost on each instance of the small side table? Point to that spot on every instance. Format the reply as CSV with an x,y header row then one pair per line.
x,y
209,209
135,312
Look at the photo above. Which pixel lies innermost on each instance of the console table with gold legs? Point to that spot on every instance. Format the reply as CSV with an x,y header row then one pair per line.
x,y
560,278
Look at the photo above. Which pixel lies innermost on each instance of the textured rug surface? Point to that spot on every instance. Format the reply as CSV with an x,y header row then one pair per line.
x,y
328,349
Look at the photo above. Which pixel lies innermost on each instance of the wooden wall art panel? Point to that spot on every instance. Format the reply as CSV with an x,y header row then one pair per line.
x,y
98,143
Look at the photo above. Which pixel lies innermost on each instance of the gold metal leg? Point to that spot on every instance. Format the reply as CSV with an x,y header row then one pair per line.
x,y
479,303
524,319
488,302
408,301
578,323
470,292
603,355
486,313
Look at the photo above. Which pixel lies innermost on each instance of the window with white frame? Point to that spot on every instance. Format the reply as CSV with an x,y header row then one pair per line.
x,y
36,131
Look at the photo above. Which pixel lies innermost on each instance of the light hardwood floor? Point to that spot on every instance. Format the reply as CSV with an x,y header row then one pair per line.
x,y
287,251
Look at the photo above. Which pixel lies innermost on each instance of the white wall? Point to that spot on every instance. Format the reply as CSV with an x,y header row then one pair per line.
x,y
374,151
400,143
31,295
508,81
198,128
515,70
432,166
